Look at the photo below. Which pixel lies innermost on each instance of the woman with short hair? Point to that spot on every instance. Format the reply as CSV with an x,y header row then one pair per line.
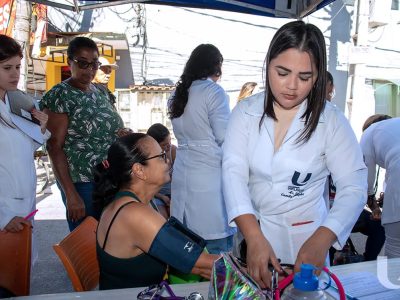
x,y
84,124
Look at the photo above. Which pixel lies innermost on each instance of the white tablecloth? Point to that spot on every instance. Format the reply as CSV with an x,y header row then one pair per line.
x,y
392,274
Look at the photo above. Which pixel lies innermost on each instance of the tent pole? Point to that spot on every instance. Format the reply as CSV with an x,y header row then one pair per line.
x,y
109,3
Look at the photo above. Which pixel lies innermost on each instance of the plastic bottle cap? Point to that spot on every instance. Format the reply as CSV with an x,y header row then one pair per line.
x,y
305,280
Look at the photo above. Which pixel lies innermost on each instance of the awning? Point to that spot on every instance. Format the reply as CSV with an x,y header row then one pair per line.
x,y
294,9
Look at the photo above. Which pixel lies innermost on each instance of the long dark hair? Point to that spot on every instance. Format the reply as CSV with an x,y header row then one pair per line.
x,y
205,61
308,38
9,48
115,173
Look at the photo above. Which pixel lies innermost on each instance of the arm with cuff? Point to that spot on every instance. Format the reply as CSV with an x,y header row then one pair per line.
x,y
177,246
170,242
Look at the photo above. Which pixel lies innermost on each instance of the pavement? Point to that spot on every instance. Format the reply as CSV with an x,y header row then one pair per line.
x,y
48,274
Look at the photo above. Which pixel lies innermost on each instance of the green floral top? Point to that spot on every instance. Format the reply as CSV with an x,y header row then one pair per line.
x,y
93,123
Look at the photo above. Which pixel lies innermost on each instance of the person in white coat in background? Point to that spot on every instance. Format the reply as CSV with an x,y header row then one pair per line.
x,y
279,148
380,144
17,167
199,112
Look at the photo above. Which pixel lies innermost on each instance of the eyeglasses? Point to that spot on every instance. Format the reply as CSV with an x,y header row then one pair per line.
x,y
82,64
163,155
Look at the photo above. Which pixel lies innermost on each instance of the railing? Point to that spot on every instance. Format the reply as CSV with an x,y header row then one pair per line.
x,y
43,170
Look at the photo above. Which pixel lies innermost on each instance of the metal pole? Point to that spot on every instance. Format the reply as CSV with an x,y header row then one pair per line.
x,y
21,35
361,103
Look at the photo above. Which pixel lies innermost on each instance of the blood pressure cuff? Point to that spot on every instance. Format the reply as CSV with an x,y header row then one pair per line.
x,y
177,246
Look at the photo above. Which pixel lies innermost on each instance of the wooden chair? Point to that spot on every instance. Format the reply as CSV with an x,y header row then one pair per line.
x,y
15,261
77,252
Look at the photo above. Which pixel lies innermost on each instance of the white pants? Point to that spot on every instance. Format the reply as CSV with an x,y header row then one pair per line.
x,y
392,246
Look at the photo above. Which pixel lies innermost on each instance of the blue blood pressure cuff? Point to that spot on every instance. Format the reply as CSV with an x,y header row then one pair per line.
x,y
177,246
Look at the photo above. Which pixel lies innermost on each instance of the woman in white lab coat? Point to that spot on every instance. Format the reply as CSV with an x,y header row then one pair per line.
x,y
279,148
199,111
380,144
17,168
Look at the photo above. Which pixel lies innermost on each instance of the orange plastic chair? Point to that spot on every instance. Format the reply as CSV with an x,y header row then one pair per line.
x,y
77,252
15,261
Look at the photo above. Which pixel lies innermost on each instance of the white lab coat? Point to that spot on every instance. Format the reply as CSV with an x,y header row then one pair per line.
x,y
17,170
380,145
287,187
196,188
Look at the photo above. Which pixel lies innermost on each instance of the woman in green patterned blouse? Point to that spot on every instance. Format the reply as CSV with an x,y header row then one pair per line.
x,y
83,124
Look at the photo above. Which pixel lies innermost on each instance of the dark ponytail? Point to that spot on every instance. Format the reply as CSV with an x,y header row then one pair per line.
x,y
115,173
204,61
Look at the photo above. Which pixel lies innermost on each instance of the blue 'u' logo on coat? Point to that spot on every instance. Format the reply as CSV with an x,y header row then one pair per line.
x,y
296,176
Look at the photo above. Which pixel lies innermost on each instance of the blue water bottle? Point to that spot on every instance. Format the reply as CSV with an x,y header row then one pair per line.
x,y
305,286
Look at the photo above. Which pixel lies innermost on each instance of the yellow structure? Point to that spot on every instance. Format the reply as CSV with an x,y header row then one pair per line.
x,y
54,68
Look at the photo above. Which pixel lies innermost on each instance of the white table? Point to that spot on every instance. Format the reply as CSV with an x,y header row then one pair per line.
x,y
393,275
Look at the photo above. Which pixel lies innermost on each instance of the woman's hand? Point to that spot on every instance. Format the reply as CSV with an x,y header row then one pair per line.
x,y
259,250
259,255
42,118
17,224
314,251
75,208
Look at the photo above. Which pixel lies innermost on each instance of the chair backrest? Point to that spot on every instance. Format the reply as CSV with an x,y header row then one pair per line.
x,y
15,261
77,252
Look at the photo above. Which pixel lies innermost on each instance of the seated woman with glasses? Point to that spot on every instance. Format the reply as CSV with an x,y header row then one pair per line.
x,y
83,124
135,243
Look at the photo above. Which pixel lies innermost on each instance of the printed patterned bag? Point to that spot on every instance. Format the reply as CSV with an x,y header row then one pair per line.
x,y
230,281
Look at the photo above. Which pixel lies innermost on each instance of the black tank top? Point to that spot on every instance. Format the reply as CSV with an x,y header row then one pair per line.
x,y
119,273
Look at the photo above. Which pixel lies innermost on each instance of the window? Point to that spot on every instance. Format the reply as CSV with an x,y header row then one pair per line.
x,y
387,98
395,4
